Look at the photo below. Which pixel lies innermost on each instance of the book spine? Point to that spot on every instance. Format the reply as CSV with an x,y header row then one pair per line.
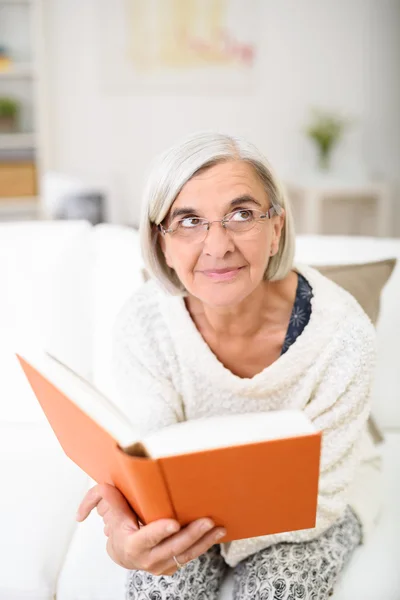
x,y
142,483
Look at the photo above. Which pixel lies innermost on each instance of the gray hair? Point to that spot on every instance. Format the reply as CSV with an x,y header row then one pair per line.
x,y
174,167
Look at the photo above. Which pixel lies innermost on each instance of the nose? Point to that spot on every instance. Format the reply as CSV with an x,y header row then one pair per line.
x,y
218,241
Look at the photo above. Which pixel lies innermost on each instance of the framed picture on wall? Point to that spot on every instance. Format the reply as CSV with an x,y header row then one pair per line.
x,y
173,46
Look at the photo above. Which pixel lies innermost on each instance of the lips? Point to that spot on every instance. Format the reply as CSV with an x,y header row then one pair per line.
x,y
221,275
221,271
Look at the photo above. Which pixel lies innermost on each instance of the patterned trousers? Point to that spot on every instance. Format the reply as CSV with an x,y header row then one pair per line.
x,y
285,571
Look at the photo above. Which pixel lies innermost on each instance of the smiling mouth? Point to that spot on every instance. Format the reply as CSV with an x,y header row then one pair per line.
x,y
221,271
222,274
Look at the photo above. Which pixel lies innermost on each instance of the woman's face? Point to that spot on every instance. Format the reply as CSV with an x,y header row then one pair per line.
x,y
226,266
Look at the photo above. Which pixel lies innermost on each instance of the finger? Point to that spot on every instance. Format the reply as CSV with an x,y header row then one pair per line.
x,y
102,508
200,547
113,518
89,502
170,572
182,541
109,496
152,534
100,496
106,511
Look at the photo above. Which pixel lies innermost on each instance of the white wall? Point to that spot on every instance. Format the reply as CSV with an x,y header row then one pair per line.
x,y
332,53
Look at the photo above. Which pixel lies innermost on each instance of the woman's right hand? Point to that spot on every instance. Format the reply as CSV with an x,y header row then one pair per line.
x,y
149,547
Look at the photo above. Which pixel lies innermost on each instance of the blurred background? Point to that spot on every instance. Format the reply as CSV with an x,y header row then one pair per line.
x,y
91,90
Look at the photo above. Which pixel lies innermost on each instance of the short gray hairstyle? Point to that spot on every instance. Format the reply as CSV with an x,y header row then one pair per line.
x,y
169,173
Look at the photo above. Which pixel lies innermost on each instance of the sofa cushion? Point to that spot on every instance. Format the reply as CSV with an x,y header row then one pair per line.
x,y
319,250
88,572
40,491
116,274
364,281
44,274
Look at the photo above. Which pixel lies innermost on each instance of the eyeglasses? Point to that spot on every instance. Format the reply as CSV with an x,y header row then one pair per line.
x,y
195,229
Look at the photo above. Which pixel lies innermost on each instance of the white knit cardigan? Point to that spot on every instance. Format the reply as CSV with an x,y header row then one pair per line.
x,y
165,372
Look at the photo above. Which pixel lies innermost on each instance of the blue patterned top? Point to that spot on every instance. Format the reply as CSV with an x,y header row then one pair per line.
x,y
300,314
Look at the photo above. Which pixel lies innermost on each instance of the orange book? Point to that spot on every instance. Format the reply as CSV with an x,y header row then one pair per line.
x,y
253,473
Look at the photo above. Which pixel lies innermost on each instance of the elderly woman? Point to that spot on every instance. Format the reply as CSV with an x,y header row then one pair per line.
x,y
227,324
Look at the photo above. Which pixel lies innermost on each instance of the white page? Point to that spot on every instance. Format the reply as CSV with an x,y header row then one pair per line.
x,y
90,400
227,430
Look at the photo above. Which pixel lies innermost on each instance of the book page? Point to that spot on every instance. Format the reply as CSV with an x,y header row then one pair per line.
x,y
82,393
226,430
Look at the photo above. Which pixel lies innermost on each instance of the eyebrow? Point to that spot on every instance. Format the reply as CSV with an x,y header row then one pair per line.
x,y
187,210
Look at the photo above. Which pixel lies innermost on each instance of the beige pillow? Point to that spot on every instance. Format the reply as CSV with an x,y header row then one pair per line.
x,y
365,282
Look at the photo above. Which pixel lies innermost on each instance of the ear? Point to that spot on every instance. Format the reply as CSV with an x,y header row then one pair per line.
x,y
277,224
164,249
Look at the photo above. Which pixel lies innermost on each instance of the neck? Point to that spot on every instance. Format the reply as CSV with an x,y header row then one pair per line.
x,y
243,319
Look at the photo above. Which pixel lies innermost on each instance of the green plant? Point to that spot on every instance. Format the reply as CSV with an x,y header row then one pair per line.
x,y
8,107
325,129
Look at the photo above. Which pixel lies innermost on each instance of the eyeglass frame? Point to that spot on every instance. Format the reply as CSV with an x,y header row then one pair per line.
x,y
271,212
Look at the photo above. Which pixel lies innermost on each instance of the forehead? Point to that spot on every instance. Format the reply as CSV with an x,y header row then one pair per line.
x,y
220,184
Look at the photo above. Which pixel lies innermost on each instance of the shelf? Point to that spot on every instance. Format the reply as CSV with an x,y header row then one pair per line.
x,y
18,71
5,2
18,205
23,141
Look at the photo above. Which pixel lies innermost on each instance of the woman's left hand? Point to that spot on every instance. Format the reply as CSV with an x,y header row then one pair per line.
x,y
119,519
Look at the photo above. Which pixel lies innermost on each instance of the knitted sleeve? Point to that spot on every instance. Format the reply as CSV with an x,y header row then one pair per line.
x,y
339,406
142,387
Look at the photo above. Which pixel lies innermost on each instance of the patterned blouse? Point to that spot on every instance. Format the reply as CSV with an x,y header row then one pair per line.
x,y
300,314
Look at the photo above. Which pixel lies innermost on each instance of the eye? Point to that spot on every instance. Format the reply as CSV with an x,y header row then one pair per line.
x,y
190,222
242,215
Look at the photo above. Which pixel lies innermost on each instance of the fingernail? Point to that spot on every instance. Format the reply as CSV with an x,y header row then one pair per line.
x,y
206,525
220,534
77,516
172,528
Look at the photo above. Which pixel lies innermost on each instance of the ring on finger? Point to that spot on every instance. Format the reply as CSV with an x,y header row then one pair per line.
x,y
178,564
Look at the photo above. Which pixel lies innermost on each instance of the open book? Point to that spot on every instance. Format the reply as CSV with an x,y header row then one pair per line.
x,y
253,473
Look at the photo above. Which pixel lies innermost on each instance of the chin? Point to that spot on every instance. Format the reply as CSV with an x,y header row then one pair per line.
x,y
222,294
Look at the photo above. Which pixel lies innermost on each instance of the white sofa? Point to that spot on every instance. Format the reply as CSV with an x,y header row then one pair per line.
x,y
62,285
